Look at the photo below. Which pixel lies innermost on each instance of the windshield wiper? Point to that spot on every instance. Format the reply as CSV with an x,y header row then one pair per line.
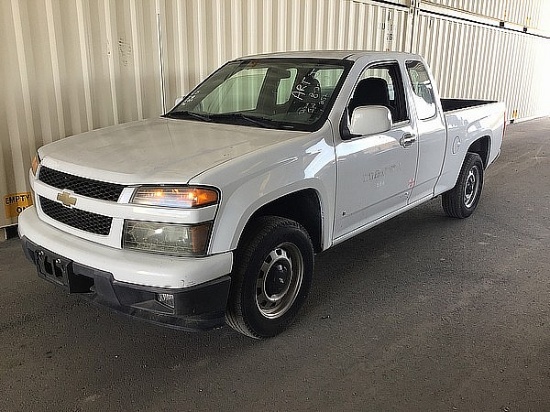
x,y
231,118
188,114
255,120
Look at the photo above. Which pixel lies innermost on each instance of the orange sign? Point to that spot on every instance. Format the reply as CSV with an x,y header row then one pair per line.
x,y
15,203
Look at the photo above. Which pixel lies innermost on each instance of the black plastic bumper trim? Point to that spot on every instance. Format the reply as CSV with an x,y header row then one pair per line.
x,y
200,307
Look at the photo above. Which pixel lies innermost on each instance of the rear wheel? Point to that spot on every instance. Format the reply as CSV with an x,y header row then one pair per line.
x,y
272,277
462,200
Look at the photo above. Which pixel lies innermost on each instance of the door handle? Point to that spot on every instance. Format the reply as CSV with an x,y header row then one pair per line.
x,y
407,140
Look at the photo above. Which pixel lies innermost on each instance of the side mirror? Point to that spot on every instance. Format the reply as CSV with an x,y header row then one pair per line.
x,y
178,100
367,120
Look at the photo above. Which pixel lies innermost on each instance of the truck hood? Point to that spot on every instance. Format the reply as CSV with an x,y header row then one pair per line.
x,y
157,150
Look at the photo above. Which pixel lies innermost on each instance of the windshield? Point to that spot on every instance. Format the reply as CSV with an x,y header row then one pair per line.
x,y
272,93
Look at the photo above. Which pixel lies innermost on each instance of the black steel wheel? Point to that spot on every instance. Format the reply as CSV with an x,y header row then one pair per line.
x,y
271,278
462,200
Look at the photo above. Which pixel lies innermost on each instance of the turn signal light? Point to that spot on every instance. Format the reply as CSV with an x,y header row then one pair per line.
x,y
35,163
176,196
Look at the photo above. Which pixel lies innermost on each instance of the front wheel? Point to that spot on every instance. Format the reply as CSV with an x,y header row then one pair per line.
x,y
272,277
462,200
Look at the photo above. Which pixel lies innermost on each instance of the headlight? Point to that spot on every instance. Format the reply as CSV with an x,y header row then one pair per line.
x,y
166,238
175,196
35,163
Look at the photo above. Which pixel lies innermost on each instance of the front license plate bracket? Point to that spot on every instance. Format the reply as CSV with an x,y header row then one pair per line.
x,y
59,270
53,268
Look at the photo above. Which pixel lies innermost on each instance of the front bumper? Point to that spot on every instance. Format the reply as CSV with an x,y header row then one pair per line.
x,y
200,307
129,281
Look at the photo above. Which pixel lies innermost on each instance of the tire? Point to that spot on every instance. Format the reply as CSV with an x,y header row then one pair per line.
x,y
271,278
461,201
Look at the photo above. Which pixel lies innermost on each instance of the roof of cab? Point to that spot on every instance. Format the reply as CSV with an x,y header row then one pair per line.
x,y
327,54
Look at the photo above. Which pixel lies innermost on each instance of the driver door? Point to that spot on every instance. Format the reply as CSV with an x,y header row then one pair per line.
x,y
375,173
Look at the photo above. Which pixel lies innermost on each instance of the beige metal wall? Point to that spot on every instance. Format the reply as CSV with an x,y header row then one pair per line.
x,y
67,66
481,62
521,12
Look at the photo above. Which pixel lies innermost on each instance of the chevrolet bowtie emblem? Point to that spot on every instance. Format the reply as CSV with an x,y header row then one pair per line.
x,y
66,199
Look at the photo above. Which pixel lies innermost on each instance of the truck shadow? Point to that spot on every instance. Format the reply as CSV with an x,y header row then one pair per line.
x,y
409,248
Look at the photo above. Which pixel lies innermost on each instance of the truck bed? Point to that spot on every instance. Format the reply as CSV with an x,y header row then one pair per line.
x,y
456,104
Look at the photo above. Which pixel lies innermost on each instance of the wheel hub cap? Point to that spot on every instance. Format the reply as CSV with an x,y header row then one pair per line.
x,y
279,280
472,186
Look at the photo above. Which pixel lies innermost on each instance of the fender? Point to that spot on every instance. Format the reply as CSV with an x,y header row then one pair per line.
x,y
462,139
253,181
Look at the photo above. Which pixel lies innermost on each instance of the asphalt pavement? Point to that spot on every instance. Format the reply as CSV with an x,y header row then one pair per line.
x,y
422,313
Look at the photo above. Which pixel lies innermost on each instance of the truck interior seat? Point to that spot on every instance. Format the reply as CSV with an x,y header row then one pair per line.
x,y
371,91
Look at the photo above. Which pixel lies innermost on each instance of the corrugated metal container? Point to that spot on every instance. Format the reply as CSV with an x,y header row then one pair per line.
x,y
520,12
505,65
72,66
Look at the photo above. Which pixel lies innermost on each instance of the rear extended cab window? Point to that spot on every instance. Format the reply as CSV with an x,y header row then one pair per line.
x,y
423,93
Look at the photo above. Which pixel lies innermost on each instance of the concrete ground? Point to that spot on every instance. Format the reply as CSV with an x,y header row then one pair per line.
x,y
423,313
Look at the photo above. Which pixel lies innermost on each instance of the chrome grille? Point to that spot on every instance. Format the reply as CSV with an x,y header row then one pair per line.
x,y
79,219
80,185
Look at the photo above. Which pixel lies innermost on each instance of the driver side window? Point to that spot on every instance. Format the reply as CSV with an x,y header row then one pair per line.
x,y
381,85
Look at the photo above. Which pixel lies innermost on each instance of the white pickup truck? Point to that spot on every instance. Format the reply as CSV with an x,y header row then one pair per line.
x,y
212,213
